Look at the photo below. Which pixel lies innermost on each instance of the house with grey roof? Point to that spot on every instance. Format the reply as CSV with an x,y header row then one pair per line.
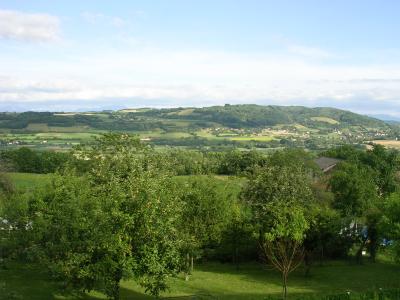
x,y
326,164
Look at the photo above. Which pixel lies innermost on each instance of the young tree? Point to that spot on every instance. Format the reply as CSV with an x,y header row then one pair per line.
x,y
278,197
282,245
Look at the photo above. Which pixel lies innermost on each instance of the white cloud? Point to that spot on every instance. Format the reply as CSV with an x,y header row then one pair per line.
x,y
199,78
29,26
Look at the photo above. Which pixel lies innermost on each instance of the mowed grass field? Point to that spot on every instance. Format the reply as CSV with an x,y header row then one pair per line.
x,y
221,281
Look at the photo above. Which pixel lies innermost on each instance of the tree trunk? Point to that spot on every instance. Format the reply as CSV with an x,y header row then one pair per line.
x,y
359,252
321,256
307,263
187,267
372,251
116,287
237,258
284,285
116,292
373,241
191,265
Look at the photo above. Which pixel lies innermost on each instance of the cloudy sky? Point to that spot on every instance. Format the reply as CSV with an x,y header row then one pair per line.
x,y
94,54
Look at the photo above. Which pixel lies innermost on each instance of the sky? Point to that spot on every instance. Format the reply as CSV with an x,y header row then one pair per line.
x,y
96,54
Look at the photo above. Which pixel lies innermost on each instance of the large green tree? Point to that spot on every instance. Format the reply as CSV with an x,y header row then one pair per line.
x,y
356,198
360,185
390,223
119,220
354,189
207,210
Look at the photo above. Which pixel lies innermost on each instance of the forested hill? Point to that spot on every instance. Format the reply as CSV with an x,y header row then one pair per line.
x,y
233,116
251,115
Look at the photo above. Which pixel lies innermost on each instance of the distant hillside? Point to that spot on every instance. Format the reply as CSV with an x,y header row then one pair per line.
x,y
386,118
238,116
216,127
233,116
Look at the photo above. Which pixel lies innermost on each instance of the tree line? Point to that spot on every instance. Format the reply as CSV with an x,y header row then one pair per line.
x,y
116,210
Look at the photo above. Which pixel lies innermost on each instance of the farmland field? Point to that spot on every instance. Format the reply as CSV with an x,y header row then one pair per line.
x,y
389,143
325,119
252,138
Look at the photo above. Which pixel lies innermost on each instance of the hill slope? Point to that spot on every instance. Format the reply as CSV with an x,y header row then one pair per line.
x,y
250,115
216,126
235,116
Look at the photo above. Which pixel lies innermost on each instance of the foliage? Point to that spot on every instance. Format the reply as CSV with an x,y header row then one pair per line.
x,y
360,185
29,161
390,223
205,215
118,221
116,210
323,239
237,163
353,188
383,163
279,196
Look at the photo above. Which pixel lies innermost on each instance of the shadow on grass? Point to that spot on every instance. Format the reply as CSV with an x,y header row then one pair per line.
x,y
22,281
333,277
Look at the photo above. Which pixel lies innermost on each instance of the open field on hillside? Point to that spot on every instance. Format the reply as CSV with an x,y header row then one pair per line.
x,y
222,281
324,119
29,180
389,143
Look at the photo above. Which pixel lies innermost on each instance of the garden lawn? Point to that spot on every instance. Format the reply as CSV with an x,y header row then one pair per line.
x,y
222,281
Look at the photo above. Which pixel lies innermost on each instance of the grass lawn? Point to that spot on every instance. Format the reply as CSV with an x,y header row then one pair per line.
x,y
29,180
222,281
